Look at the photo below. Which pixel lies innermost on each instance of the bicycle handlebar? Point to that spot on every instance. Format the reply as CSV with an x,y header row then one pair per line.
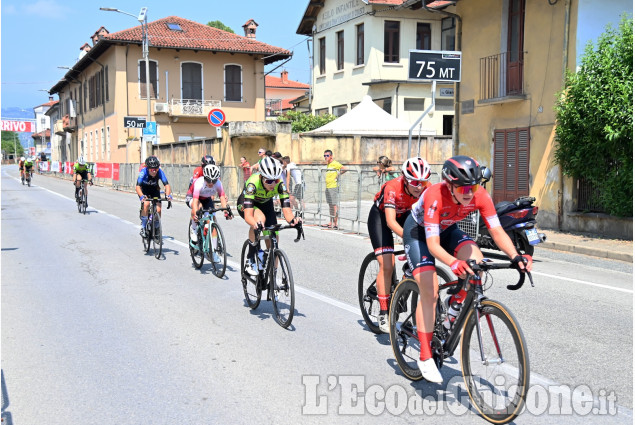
x,y
155,199
276,227
485,266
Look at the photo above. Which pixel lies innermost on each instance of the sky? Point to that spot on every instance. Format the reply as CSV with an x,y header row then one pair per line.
x,y
37,36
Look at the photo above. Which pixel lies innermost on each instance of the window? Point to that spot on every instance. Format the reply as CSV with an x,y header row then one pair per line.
x,y
391,41
192,81
340,110
413,104
106,83
340,50
90,144
108,141
172,26
447,33
103,143
444,105
233,83
154,79
385,104
322,56
360,45
323,111
424,37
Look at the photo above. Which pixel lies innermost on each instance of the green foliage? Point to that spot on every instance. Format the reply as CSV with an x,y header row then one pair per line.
x,y
301,122
220,26
594,115
10,141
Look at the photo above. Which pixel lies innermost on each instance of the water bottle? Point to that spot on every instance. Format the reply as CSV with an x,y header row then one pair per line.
x,y
454,308
205,229
261,259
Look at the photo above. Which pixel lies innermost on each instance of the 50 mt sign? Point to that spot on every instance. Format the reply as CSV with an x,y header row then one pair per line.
x,y
437,65
134,122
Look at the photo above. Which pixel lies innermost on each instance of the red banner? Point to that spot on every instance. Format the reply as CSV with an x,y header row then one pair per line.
x,y
69,167
106,170
115,170
18,126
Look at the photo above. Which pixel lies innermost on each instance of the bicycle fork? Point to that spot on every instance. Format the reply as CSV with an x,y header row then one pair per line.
x,y
479,331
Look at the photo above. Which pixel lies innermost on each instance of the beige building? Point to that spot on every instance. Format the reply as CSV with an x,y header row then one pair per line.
x,y
193,69
280,91
361,47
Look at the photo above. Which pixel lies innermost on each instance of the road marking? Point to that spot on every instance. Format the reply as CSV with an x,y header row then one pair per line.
x,y
599,285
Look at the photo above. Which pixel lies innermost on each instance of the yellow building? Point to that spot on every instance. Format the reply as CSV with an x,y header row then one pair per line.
x,y
193,69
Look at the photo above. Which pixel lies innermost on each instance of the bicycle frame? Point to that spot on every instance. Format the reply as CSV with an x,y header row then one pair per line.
x,y
273,237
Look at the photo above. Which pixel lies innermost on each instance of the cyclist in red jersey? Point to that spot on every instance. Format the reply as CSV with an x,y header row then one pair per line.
x,y
431,232
388,214
198,172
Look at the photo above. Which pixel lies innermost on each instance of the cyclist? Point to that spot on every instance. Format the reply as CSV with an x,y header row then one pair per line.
x,y
204,189
430,232
28,167
389,212
198,172
255,204
81,172
148,187
21,166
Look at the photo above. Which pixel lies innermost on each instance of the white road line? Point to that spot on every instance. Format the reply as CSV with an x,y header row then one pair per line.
x,y
584,282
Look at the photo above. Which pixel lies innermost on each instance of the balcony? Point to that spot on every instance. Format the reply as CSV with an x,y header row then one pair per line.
x,y
192,108
501,78
69,124
58,127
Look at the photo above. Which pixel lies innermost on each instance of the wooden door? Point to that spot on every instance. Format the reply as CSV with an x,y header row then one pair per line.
x,y
515,46
511,164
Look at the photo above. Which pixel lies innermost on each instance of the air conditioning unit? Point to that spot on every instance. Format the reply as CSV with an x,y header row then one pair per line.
x,y
161,108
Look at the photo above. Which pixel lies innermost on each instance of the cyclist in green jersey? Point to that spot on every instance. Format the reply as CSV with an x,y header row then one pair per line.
x,y
82,172
255,204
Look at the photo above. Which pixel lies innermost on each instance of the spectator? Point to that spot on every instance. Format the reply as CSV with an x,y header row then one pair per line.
x,y
277,155
246,168
295,184
333,170
261,153
385,171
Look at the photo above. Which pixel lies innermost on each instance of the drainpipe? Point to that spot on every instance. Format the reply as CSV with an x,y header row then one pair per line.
x,y
457,85
397,100
565,61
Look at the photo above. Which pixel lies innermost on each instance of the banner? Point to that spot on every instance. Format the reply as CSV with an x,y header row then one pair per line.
x,y
56,166
17,126
44,166
106,170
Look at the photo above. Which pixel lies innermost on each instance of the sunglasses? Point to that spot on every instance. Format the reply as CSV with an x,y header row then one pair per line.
x,y
213,181
415,183
261,153
327,155
466,189
268,181
153,169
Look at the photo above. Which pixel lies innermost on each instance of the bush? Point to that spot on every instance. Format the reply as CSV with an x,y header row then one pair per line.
x,y
594,115
301,122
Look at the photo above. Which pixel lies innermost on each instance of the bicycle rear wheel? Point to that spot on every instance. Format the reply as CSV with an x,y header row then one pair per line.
x,y
403,328
78,200
157,235
367,291
84,201
217,268
196,253
497,386
281,281
251,288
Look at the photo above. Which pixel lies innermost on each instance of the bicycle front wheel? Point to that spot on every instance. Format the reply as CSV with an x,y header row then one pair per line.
x,y
78,200
157,235
403,328
282,288
251,287
498,383
84,201
217,267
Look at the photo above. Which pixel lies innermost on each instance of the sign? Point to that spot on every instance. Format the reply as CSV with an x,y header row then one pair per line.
x,y
134,122
32,151
439,65
150,128
445,92
18,126
216,117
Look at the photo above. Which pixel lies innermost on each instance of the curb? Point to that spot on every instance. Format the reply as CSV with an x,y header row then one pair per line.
x,y
595,252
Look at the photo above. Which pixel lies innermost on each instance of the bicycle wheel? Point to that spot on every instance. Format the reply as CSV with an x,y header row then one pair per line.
x,y
403,328
218,268
84,201
367,291
146,239
251,288
78,200
157,236
498,386
281,281
196,253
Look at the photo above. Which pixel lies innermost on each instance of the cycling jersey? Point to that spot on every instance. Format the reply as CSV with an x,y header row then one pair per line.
x,y
21,164
28,164
149,185
436,210
201,191
255,192
80,169
393,194
198,172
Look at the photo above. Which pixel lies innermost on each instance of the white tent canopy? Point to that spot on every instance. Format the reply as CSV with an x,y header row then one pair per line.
x,y
367,119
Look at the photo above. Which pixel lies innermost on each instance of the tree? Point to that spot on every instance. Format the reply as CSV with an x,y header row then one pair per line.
x,y
301,122
594,114
11,141
220,26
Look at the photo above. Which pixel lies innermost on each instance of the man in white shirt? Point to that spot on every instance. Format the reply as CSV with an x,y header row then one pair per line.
x,y
296,191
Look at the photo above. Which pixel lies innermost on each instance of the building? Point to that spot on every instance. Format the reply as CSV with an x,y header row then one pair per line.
x,y
193,68
361,47
42,135
281,91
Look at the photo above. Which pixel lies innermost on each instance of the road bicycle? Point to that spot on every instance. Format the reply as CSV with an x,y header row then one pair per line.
x,y
494,357
82,197
27,179
367,287
274,276
205,247
154,233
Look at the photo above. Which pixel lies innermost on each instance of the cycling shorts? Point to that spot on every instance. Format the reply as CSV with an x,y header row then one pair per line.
x,y
266,208
83,174
151,191
380,234
414,239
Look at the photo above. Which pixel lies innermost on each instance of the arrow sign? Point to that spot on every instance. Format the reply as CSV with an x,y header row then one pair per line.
x,y
216,117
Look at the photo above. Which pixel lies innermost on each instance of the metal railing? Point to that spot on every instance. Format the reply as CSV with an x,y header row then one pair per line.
x,y
495,77
588,197
192,107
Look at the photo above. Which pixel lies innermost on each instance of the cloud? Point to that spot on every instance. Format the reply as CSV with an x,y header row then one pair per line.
x,y
47,9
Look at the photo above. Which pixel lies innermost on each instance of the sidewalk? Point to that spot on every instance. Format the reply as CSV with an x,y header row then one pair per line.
x,y
596,246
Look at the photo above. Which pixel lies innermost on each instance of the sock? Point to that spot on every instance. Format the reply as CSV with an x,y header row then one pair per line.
x,y
424,342
383,303
144,221
251,254
214,242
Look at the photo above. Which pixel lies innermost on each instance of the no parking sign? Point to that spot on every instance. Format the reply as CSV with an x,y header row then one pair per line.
x,y
216,117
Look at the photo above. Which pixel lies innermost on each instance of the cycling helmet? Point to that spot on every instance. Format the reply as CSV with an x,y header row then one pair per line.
x,y
211,173
152,162
207,160
81,160
270,168
416,169
462,171
22,158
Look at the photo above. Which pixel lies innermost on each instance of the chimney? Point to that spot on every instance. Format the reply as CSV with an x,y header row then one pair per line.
x,y
99,34
86,47
284,77
50,98
250,29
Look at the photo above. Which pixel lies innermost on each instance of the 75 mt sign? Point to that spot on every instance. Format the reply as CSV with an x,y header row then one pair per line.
x,y
436,65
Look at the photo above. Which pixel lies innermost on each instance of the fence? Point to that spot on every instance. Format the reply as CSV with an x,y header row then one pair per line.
x,y
588,197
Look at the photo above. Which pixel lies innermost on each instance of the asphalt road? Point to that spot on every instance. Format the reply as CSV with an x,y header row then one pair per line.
x,y
94,330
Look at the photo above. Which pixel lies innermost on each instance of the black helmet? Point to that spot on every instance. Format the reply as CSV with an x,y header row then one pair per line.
x,y
462,171
152,162
207,160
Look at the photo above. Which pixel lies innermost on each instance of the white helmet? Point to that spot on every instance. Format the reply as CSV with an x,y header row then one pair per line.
x,y
80,160
416,168
22,159
211,173
270,168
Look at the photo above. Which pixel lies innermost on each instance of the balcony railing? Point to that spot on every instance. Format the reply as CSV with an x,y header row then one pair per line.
x,y
192,107
501,78
69,124
58,127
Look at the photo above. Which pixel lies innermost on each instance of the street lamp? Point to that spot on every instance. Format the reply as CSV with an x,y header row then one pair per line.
x,y
143,19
